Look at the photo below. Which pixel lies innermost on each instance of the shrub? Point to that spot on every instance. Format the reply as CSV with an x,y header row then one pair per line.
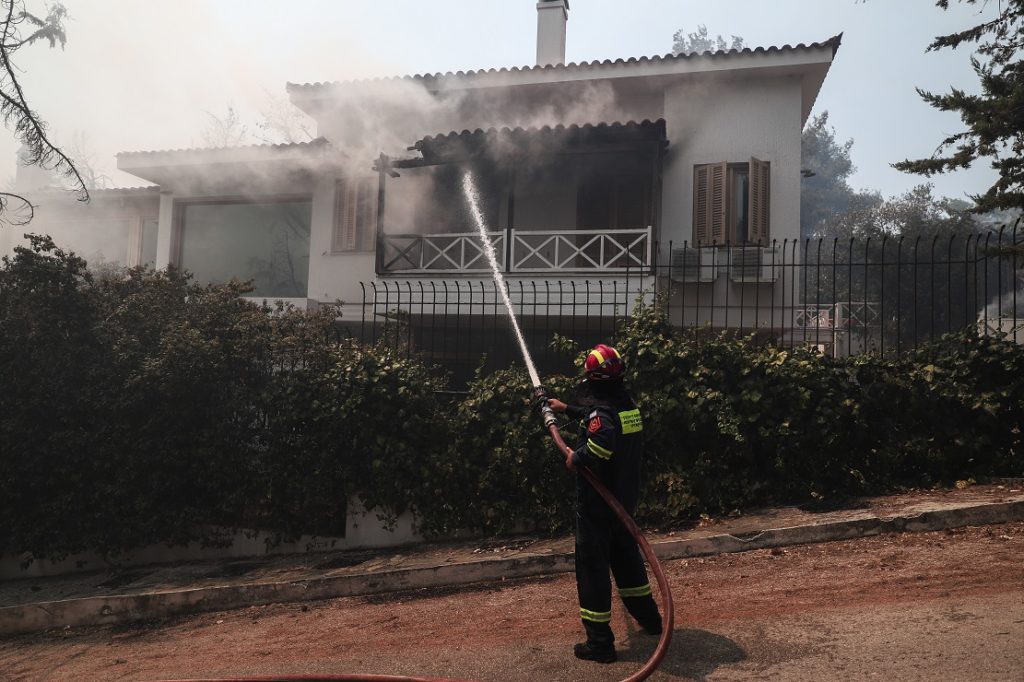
x,y
144,407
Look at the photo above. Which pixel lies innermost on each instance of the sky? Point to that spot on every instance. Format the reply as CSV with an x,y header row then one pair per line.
x,y
146,74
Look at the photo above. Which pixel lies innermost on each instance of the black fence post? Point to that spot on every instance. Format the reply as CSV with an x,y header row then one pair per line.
x,y
867,283
772,292
881,299
362,323
899,296
949,284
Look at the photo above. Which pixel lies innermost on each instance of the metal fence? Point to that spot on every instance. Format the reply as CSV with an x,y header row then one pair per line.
x,y
463,325
841,296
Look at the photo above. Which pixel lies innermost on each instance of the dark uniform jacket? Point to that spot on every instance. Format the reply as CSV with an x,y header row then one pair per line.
x,y
610,445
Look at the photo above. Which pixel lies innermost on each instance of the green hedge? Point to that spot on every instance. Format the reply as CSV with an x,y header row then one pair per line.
x,y
147,408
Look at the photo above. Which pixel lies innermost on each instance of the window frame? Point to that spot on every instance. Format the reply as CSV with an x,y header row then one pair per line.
x,y
180,206
714,216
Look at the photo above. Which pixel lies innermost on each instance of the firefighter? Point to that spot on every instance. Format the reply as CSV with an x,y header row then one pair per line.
x,y
610,445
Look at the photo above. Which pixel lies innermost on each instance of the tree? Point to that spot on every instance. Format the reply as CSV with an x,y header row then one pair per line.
x,y
915,214
18,28
284,123
916,258
825,190
280,122
80,151
699,41
994,118
225,131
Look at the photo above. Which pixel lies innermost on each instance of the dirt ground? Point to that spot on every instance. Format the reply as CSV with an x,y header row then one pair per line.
x,y
946,605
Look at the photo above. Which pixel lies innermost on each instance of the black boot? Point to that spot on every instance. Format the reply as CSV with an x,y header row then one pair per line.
x,y
651,627
591,652
645,611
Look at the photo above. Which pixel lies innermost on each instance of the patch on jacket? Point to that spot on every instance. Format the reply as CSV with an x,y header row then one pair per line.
x,y
594,426
631,421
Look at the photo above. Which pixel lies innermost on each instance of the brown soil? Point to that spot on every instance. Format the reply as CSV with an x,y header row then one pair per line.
x,y
854,609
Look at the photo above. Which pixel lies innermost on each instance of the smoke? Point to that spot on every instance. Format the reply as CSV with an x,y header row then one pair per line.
x,y
367,118
390,115
142,100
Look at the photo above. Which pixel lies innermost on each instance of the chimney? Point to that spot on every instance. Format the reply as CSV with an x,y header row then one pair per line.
x,y
552,15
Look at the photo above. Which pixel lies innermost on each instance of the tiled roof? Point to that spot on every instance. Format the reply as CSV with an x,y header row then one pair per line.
x,y
97,191
573,130
148,189
312,144
832,43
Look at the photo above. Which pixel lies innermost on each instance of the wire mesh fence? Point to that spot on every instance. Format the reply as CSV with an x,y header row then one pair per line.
x,y
841,296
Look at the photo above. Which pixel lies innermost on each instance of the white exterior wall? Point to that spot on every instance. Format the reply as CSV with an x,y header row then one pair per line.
x,y
166,237
732,121
334,276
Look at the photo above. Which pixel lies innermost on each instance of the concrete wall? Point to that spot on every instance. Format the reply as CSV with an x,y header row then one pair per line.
x,y
362,530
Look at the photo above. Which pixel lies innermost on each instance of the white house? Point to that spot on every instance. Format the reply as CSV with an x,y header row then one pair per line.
x,y
588,171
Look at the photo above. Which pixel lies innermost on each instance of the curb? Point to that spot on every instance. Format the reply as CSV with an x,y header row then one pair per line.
x,y
25,618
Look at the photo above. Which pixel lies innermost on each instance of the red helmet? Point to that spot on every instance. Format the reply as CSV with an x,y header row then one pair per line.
x,y
603,363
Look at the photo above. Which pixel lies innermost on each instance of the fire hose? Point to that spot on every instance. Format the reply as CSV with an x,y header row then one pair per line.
x,y
667,611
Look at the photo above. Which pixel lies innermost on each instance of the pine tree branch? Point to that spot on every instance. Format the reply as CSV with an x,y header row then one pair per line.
x,y
6,212
14,106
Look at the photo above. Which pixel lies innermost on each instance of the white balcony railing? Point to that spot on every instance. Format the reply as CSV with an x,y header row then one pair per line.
x,y
840,316
581,250
446,252
533,251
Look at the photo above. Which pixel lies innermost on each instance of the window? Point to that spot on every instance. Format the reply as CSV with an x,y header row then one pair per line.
x,y
355,215
730,203
266,242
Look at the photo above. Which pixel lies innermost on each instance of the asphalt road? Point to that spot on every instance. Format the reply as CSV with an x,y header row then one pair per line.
x,y
931,606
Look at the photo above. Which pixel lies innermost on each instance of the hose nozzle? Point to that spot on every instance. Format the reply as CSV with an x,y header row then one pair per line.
x,y
540,399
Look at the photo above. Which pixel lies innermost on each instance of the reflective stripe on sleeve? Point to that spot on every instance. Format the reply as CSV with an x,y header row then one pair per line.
x,y
596,616
598,451
642,591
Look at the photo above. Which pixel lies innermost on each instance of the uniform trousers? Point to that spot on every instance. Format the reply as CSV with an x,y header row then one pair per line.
x,y
603,543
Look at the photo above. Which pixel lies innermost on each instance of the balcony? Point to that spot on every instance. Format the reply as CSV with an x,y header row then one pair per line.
x,y
552,252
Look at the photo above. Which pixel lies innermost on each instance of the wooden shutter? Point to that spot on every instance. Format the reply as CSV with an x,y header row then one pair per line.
x,y
701,226
345,216
717,213
366,216
709,204
355,214
759,187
